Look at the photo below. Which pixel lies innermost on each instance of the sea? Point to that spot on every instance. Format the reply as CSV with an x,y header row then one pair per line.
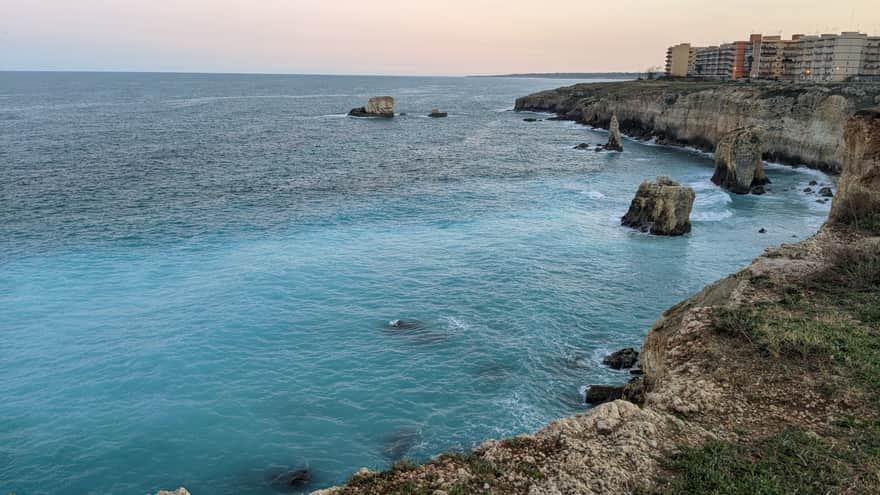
x,y
199,273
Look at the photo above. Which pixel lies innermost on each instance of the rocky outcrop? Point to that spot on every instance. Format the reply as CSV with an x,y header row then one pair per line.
x,y
598,394
802,123
437,114
661,207
858,191
380,106
622,359
738,164
179,491
614,140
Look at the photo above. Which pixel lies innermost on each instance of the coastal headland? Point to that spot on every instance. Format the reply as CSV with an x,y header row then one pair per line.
x,y
765,381
801,123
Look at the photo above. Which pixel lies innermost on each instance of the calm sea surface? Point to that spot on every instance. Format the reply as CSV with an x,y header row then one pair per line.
x,y
197,273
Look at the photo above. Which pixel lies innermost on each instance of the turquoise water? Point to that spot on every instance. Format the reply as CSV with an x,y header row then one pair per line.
x,y
197,273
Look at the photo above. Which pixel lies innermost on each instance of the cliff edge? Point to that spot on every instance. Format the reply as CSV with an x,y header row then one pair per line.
x,y
766,381
801,123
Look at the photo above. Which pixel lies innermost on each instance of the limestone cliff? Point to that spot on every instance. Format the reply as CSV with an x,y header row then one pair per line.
x,y
802,123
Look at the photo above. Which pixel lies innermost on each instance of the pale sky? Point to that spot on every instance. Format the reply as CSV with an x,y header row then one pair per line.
x,y
440,37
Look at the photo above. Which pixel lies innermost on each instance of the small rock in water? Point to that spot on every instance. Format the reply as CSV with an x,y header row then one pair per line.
x,y
826,192
636,372
758,190
290,479
622,359
762,231
661,207
582,146
814,183
531,119
179,491
405,324
380,106
597,394
808,190
436,113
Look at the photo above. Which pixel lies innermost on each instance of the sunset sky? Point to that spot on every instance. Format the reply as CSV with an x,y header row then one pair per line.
x,y
393,36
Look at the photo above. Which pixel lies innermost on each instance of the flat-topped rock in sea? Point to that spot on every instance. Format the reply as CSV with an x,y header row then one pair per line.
x,y
437,114
661,207
379,106
738,164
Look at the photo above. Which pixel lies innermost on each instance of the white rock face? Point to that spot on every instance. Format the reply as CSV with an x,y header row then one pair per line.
x,y
380,105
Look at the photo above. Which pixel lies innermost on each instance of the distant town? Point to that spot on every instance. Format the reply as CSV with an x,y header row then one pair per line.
x,y
849,56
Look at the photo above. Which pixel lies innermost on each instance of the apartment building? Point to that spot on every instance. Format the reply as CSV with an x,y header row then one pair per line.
x,y
680,60
827,57
838,57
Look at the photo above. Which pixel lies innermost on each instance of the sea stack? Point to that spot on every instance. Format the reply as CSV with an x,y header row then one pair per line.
x,y
858,191
380,106
614,142
738,164
661,207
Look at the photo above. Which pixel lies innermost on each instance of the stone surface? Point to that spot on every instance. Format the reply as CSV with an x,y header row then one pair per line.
x,y
179,491
436,113
738,163
858,191
379,106
622,359
661,207
614,140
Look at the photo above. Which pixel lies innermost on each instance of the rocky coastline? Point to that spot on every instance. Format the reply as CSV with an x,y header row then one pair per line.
x,y
801,123
766,378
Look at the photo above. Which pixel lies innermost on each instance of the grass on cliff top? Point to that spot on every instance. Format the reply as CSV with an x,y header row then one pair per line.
x,y
829,324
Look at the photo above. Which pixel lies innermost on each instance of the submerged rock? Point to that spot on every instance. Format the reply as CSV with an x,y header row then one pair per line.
x,y
380,106
405,325
758,190
597,394
738,163
582,146
531,119
288,479
661,207
808,190
179,491
622,359
436,113
614,141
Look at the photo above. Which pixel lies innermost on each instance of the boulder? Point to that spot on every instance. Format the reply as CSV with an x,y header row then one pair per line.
x,y
738,163
597,394
808,190
531,119
826,192
858,190
436,113
179,491
614,141
622,359
582,146
661,207
380,106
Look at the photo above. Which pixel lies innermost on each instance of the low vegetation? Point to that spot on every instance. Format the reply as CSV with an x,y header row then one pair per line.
x,y
829,323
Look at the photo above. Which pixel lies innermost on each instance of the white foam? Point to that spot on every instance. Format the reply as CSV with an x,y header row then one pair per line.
x,y
593,194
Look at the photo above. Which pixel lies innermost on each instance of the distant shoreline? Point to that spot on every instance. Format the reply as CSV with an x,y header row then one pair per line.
x,y
571,75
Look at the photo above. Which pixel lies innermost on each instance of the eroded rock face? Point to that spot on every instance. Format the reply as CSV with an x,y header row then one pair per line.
x,y
380,106
803,123
738,163
858,192
661,207
614,142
